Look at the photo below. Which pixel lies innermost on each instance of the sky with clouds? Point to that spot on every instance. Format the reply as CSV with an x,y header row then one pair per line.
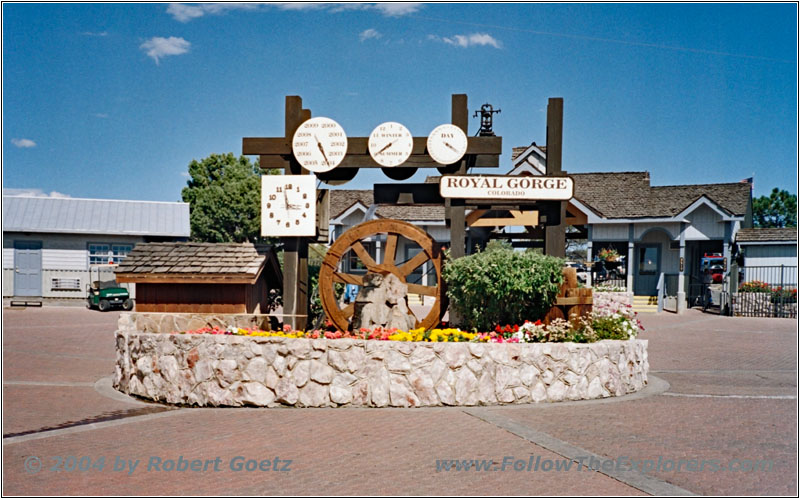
x,y
115,100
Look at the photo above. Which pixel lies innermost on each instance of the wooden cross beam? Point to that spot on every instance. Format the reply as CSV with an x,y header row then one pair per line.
x,y
518,218
276,152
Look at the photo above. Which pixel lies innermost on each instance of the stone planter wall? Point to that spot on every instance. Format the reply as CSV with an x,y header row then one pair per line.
x,y
760,305
159,322
609,298
221,370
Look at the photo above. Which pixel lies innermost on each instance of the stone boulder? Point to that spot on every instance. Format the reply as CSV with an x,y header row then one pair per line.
x,y
382,302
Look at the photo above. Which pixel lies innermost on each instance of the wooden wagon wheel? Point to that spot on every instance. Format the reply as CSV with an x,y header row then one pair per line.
x,y
352,240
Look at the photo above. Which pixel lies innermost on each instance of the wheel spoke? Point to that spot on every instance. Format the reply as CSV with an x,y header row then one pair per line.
x,y
364,256
412,264
418,289
348,310
391,249
348,278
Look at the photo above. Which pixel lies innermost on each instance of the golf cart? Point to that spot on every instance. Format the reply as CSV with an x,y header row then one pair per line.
x,y
104,295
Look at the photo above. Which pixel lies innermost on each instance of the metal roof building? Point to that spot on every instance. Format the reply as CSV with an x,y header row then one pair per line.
x,y
50,243
95,216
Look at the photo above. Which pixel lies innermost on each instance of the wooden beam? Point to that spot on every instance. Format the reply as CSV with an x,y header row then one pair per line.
x,y
253,146
517,219
555,241
474,215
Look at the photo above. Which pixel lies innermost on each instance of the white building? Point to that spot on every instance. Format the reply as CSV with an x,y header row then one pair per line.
x,y
49,243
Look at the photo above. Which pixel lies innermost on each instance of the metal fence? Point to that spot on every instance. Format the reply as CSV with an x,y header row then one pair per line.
x,y
764,291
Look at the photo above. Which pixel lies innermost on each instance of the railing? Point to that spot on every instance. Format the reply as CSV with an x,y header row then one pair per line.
x,y
764,291
667,292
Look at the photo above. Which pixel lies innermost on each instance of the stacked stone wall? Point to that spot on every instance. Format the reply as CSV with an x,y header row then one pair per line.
x,y
226,370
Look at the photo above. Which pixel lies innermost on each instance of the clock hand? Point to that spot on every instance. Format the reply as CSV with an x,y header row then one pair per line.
x,y
451,147
387,146
322,150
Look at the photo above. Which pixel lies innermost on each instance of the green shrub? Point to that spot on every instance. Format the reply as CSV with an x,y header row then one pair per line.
x,y
502,286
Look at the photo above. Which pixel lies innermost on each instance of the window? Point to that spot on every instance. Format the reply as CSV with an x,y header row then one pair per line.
x,y
648,260
120,251
102,254
98,253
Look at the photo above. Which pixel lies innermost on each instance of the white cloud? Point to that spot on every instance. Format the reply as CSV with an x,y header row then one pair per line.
x,y
160,47
397,9
471,40
185,12
300,6
33,192
23,143
100,115
369,33
94,33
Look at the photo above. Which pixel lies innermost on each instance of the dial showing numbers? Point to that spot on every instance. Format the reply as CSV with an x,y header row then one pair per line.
x,y
319,144
390,144
288,205
447,144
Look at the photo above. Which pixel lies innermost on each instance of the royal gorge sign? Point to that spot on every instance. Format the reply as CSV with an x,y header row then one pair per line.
x,y
522,188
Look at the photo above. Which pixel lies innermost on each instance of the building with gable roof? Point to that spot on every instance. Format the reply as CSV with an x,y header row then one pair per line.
x,y
656,229
49,243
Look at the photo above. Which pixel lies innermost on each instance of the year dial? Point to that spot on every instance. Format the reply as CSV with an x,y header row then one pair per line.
x,y
319,144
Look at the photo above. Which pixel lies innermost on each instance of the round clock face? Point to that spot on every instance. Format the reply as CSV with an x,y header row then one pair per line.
x,y
319,144
390,144
288,205
447,144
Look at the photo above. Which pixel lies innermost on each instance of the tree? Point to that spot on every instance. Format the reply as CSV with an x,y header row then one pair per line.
x,y
224,194
779,209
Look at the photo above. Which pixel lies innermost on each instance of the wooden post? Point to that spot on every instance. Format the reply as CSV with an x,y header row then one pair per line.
x,y
555,235
295,249
455,209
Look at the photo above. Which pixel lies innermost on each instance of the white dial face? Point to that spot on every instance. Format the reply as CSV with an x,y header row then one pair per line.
x,y
447,144
390,144
319,144
288,205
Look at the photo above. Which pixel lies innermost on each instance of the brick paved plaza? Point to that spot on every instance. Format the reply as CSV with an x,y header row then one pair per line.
x,y
723,390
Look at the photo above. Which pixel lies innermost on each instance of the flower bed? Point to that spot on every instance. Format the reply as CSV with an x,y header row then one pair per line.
x,y
221,367
609,320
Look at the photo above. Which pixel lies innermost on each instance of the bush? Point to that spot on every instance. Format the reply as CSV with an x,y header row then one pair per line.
x,y
502,286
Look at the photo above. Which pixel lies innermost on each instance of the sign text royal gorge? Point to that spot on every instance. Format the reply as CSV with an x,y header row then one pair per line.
x,y
489,187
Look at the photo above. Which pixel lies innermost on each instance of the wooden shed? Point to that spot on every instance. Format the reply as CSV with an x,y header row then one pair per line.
x,y
201,277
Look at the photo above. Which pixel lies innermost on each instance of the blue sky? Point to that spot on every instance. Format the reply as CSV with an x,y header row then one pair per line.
x,y
115,100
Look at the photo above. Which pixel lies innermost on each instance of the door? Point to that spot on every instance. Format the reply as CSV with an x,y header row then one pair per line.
x,y
27,268
647,269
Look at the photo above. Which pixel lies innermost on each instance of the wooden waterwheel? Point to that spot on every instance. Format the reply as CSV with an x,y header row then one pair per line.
x,y
353,240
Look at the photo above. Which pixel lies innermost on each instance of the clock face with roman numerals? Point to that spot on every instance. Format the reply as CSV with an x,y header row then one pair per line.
x,y
288,205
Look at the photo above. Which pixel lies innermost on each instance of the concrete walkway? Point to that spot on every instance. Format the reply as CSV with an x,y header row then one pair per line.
x,y
723,396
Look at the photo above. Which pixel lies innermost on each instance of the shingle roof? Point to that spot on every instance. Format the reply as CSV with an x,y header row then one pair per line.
x,y
342,199
208,259
95,216
629,195
788,234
